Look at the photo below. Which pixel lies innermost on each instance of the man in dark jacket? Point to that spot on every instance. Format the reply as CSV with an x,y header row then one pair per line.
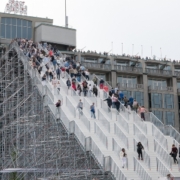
x,y
109,103
58,72
68,83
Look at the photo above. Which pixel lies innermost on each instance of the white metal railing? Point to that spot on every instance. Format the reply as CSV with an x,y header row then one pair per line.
x,y
122,122
97,153
163,154
121,135
80,135
139,122
141,171
161,168
85,121
71,107
146,156
101,135
119,175
141,137
159,136
117,149
103,120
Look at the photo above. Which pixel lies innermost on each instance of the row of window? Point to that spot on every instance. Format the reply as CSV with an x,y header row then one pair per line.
x,y
166,117
18,29
157,100
16,22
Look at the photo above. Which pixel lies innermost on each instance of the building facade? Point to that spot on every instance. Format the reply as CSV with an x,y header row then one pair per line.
x,y
35,28
154,84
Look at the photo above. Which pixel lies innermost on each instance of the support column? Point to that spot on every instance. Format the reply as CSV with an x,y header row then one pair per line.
x,y
113,78
79,57
145,84
176,124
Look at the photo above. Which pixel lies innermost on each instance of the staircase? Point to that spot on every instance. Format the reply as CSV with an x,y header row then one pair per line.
x,y
111,131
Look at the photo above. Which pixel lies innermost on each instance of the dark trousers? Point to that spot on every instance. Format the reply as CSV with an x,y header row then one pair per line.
x,y
174,155
58,76
140,154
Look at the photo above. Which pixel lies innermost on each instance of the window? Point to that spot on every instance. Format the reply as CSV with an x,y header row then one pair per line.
x,y
156,100
3,34
127,79
159,115
156,82
15,28
168,101
169,118
128,94
139,96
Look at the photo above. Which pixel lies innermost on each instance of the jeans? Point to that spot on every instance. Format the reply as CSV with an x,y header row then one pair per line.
x,y
78,78
58,111
58,76
93,115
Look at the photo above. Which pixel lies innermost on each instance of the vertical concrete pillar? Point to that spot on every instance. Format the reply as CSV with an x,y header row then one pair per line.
x,y
79,57
176,125
113,78
145,85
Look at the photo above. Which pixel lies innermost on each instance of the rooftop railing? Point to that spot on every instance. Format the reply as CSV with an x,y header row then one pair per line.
x,y
159,72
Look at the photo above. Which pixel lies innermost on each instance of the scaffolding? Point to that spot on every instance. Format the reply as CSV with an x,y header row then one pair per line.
x,y
33,143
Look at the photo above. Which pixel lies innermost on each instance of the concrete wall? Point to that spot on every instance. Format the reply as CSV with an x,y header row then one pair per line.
x,y
55,34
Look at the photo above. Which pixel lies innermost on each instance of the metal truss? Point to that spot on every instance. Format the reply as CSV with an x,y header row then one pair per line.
x,y
33,143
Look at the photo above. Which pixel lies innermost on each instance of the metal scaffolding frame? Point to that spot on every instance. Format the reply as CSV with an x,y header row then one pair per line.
x,y
33,143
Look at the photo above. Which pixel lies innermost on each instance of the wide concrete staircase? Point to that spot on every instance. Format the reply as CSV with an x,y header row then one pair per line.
x,y
111,131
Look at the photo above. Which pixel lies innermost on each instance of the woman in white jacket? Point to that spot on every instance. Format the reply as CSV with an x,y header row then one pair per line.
x,y
123,157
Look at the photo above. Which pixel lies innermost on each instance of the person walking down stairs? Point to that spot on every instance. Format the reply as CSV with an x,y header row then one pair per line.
x,y
68,83
139,150
174,152
92,109
58,106
123,157
80,107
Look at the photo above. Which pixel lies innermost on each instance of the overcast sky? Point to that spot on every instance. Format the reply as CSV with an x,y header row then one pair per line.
x,y
147,23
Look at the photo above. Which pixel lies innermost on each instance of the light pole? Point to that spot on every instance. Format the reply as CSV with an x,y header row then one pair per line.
x,y
122,48
132,49
151,51
141,50
66,17
161,53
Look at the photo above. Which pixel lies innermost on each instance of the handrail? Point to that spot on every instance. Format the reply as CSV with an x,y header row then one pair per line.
x,y
101,135
161,168
117,149
159,136
71,107
139,122
140,170
119,175
120,134
123,123
146,156
141,137
163,154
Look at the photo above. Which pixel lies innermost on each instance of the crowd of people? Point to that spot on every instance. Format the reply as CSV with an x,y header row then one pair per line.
x,y
47,60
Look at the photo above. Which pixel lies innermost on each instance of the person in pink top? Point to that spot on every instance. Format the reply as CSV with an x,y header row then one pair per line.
x,y
142,111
